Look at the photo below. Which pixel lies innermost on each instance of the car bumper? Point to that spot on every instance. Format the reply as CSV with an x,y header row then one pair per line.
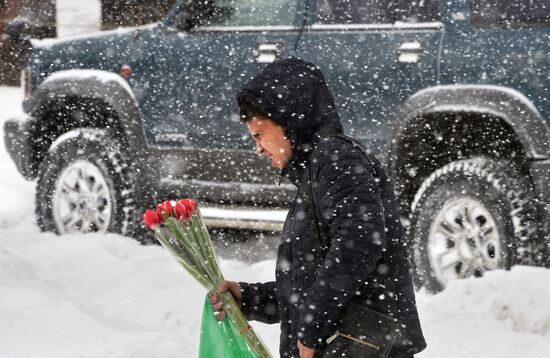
x,y
16,139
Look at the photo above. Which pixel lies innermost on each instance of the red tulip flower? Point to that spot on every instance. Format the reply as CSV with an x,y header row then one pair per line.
x,y
159,215
189,204
151,219
166,207
181,212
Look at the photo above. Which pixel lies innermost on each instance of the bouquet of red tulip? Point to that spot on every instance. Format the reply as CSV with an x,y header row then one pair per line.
x,y
181,230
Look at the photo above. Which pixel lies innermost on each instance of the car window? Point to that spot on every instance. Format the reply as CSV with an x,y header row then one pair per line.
x,y
354,11
502,13
417,10
376,11
251,13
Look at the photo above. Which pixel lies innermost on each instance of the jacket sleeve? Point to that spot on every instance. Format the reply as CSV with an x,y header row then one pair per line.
x,y
348,199
259,302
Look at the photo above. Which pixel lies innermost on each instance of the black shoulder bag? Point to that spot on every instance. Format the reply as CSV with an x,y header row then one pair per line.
x,y
362,332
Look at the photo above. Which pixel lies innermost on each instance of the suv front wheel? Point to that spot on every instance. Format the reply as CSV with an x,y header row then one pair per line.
x,y
85,184
468,217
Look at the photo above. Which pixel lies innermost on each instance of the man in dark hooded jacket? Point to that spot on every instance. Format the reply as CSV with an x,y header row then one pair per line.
x,y
291,114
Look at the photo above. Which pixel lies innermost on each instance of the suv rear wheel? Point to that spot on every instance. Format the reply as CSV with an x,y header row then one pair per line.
x,y
468,217
85,184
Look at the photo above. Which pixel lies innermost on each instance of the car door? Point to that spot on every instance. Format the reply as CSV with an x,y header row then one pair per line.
x,y
500,42
231,45
198,68
375,54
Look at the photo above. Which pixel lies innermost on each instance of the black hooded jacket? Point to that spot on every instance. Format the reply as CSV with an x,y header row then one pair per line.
x,y
351,200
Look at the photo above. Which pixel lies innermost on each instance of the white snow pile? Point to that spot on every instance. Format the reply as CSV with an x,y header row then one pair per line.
x,y
503,314
106,296
16,194
518,299
101,296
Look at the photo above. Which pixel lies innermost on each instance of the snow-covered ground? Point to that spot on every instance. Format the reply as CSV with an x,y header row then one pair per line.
x,y
107,296
15,192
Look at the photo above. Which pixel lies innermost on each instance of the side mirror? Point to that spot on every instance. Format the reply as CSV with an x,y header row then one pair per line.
x,y
18,32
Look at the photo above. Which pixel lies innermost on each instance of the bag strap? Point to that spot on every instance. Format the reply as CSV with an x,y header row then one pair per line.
x,y
319,240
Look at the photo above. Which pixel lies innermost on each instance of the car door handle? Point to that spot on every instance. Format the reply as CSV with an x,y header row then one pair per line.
x,y
267,52
410,52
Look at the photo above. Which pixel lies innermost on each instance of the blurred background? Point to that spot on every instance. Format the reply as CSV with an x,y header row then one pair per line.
x,y
65,18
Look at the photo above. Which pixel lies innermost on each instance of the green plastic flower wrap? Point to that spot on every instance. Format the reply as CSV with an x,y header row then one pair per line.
x,y
181,231
221,339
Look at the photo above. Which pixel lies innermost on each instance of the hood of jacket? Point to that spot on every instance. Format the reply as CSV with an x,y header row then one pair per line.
x,y
294,94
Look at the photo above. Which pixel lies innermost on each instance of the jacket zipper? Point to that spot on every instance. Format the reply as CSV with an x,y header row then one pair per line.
x,y
357,340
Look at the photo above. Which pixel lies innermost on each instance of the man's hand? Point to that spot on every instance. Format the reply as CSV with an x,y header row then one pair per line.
x,y
305,352
217,306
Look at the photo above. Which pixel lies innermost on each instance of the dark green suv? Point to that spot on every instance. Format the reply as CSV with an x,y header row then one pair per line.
x,y
451,95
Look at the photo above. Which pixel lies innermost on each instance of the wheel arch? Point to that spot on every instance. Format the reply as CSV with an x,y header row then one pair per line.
x,y
438,125
72,99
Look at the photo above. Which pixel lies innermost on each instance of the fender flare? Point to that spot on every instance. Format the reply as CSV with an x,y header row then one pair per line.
x,y
503,102
97,84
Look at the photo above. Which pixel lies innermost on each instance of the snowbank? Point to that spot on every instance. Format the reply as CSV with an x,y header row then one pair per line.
x,y
100,296
107,296
17,195
504,314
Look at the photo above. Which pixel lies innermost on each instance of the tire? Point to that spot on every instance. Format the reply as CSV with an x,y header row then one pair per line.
x,y
86,184
468,217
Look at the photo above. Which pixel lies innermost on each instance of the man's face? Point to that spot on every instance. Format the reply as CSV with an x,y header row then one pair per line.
x,y
270,140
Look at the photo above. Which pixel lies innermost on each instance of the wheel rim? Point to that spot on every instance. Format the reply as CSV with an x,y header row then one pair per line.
x,y
81,201
464,241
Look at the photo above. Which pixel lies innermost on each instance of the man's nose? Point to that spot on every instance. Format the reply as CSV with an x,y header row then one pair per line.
x,y
259,149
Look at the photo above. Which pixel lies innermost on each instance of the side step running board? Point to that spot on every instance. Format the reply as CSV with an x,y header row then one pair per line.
x,y
250,218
